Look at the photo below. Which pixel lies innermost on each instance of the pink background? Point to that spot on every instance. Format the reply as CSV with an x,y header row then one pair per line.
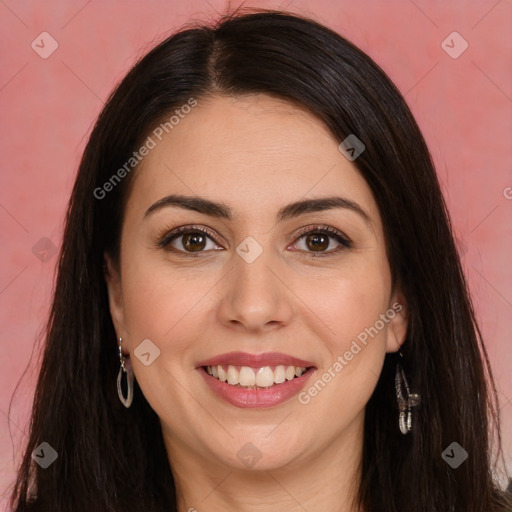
x,y
463,105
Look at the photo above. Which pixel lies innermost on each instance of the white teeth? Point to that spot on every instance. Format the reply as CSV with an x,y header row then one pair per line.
x,y
280,374
232,375
264,377
290,372
247,376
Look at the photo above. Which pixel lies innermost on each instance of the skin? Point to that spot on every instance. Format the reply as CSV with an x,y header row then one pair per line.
x,y
255,154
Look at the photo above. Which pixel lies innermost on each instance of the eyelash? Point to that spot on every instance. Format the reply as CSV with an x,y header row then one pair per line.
x,y
164,240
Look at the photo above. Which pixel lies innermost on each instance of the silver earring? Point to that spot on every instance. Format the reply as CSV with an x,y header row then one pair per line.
x,y
405,401
125,367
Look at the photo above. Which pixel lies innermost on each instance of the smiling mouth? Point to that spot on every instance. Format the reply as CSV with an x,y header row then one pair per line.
x,y
247,377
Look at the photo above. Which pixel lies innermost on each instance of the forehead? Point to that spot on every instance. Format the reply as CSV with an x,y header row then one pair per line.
x,y
251,151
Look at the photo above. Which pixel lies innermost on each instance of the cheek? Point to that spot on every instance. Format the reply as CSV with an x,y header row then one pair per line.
x,y
159,306
355,307
163,307
351,301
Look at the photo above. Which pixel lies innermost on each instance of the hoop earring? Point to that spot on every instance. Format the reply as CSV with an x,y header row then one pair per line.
x,y
404,402
125,367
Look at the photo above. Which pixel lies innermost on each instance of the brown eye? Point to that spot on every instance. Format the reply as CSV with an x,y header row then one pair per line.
x,y
193,242
317,242
188,240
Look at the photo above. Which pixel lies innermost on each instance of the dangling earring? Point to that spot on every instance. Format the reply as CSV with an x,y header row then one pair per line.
x,y
404,402
126,367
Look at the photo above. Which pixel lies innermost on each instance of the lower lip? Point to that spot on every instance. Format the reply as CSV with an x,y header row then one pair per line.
x,y
252,398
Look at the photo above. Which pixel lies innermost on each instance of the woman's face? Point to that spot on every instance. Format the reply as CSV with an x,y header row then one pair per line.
x,y
256,283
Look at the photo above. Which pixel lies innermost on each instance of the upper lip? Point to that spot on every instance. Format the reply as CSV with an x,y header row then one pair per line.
x,y
255,360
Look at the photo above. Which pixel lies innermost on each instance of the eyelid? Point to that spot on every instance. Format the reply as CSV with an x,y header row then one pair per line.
x,y
164,237
324,228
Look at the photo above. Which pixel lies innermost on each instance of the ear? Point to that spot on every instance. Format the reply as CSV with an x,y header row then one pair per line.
x,y
115,296
398,323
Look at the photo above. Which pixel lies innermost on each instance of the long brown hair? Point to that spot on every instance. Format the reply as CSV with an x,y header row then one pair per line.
x,y
112,458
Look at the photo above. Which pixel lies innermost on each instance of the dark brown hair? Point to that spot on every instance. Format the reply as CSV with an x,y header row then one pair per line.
x,y
114,459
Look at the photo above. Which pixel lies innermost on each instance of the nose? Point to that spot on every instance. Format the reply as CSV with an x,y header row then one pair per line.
x,y
255,295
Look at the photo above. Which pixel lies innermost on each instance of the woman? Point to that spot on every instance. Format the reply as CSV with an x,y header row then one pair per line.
x,y
259,303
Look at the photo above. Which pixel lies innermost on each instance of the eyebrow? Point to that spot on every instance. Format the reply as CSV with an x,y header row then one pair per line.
x,y
222,211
